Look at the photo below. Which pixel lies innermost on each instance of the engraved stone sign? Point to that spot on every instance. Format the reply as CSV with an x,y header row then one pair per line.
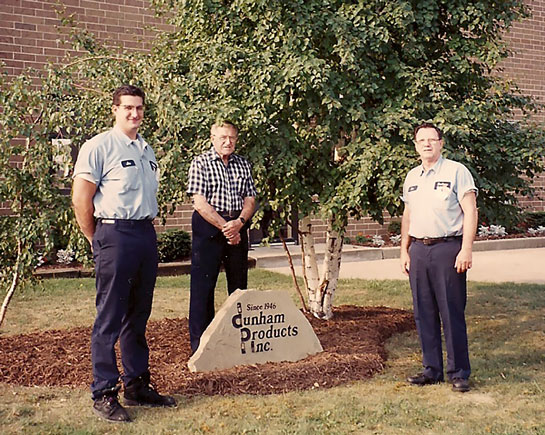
x,y
255,326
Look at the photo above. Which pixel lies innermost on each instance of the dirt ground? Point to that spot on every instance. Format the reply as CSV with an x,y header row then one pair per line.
x,y
353,343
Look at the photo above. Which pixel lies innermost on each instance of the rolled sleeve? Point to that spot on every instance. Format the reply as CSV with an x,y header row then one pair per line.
x,y
250,187
89,164
465,183
197,183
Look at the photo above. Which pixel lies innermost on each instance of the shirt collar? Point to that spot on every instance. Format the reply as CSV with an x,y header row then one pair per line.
x,y
213,155
126,140
435,168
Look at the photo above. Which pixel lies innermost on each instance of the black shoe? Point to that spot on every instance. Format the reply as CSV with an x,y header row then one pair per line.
x,y
108,408
422,379
459,384
139,392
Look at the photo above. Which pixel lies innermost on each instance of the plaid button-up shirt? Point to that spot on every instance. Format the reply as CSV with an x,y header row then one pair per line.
x,y
224,187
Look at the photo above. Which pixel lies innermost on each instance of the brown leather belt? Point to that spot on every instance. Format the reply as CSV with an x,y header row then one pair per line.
x,y
230,214
434,240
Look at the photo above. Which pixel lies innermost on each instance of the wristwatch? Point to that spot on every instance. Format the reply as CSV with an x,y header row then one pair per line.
x,y
242,220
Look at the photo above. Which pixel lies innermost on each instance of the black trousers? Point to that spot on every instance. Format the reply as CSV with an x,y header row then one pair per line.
x,y
208,252
440,294
125,254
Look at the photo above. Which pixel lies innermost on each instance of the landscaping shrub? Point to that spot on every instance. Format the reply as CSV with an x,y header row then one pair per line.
x,y
173,245
535,219
526,221
361,239
394,227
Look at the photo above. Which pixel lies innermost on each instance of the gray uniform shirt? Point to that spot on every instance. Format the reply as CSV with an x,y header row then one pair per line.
x,y
434,197
125,172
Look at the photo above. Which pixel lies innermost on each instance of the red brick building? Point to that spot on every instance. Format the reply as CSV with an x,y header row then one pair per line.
x,y
29,38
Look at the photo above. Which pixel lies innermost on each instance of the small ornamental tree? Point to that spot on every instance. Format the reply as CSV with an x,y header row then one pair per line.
x,y
327,94
31,184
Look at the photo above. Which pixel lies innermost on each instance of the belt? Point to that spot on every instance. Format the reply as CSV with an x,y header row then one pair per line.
x,y
124,221
434,240
230,214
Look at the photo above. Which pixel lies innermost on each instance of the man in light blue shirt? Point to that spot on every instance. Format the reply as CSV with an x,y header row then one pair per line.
x,y
114,196
438,229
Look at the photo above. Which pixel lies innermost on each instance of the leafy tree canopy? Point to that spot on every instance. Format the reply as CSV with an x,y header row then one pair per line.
x,y
307,78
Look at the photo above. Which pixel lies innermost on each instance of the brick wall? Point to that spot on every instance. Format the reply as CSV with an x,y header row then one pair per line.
x,y
525,67
536,202
364,227
181,218
28,38
527,42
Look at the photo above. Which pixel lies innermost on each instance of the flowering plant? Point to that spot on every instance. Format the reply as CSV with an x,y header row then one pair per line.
x,y
65,256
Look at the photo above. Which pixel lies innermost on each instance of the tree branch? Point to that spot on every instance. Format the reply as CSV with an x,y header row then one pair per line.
x,y
14,283
294,277
86,59
96,91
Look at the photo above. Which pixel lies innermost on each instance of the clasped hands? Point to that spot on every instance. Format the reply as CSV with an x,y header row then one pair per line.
x,y
231,231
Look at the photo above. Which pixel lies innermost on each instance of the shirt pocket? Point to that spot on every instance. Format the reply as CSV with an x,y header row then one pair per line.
x,y
442,198
241,185
128,175
155,175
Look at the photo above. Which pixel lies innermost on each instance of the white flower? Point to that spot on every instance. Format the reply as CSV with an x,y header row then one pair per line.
x,y
484,231
497,230
396,240
377,240
65,256
492,230
41,260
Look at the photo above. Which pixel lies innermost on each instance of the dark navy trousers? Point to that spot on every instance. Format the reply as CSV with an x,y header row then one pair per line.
x,y
439,295
125,254
209,251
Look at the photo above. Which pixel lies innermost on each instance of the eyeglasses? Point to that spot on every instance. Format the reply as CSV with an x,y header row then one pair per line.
x,y
128,108
224,138
425,141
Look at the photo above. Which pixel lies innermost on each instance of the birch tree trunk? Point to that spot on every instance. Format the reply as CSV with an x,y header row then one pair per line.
x,y
320,291
14,283
331,269
311,275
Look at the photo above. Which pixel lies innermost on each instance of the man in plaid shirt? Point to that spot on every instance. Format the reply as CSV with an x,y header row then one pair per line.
x,y
223,192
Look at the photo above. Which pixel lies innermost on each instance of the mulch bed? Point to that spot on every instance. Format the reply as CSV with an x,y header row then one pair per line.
x,y
353,343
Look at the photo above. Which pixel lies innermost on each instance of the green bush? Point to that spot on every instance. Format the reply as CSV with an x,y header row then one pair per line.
x,y
173,245
534,219
527,220
360,238
394,227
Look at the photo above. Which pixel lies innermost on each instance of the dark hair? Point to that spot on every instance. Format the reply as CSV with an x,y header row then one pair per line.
x,y
223,124
428,125
128,90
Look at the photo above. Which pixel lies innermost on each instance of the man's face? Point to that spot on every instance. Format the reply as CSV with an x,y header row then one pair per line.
x,y
129,114
224,140
428,145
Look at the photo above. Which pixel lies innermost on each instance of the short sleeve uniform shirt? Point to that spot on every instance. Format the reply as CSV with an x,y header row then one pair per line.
x,y
125,172
434,197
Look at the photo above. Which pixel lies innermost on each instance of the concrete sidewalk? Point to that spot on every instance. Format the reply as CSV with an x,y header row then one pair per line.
x,y
510,260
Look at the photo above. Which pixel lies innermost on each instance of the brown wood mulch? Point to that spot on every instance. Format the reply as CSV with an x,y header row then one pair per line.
x,y
353,343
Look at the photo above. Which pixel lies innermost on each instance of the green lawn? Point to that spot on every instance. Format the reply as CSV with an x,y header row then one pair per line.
x,y
507,348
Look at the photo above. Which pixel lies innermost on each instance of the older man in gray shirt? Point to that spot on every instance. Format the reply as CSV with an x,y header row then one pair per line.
x,y
438,230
